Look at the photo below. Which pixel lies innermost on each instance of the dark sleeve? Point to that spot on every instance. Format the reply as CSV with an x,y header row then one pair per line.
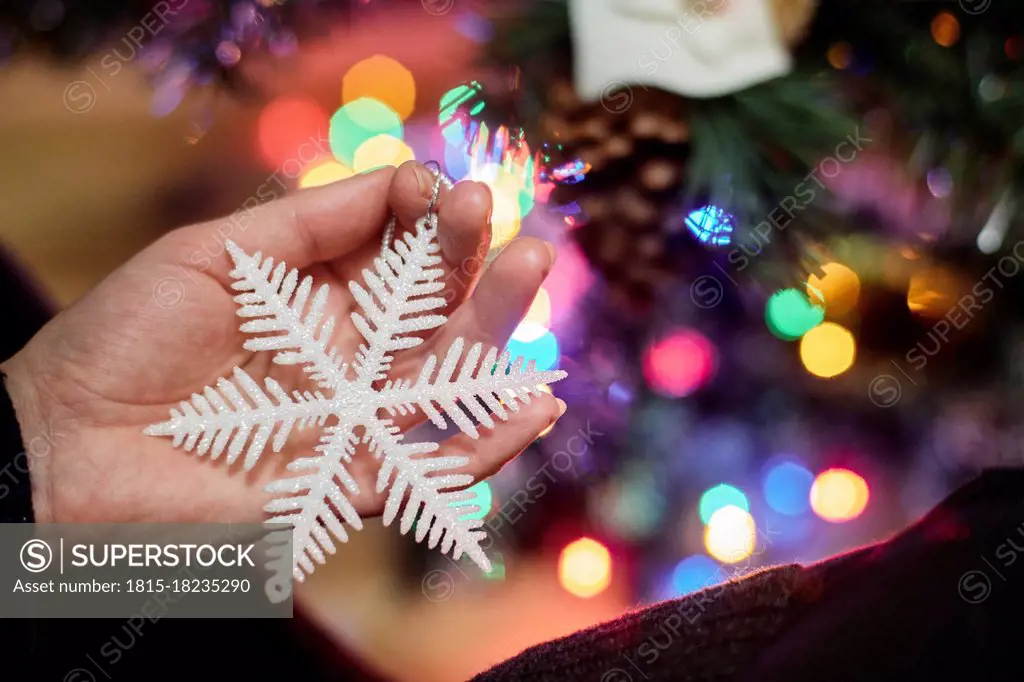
x,y
78,650
943,600
15,487
26,306
708,635
940,601
25,309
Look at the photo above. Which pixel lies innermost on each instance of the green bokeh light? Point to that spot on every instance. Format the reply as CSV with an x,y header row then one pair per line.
x,y
790,314
459,96
482,497
359,121
722,495
467,96
526,194
497,571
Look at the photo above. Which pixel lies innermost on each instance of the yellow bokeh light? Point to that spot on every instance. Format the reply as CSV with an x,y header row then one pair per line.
x,y
528,332
382,150
933,292
538,318
839,495
731,535
945,29
540,309
836,291
828,350
325,174
505,218
504,170
585,568
383,79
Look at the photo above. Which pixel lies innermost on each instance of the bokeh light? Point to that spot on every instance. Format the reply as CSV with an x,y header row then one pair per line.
x,y
790,314
501,159
933,292
543,350
325,174
570,173
787,487
721,496
630,506
506,218
837,290
540,309
730,535
382,150
291,129
359,121
1014,47
537,319
498,570
585,568
383,79
462,98
839,495
840,55
828,350
945,29
483,497
694,573
456,160
569,282
711,225
679,363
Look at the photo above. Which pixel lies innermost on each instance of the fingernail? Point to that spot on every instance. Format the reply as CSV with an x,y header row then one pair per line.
x,y
561,406
425,180
552,253
490,209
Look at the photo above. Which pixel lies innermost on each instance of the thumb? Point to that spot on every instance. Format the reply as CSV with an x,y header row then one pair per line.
x,y
310,226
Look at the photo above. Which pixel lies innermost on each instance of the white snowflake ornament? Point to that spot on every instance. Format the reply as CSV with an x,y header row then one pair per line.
x,y
355,403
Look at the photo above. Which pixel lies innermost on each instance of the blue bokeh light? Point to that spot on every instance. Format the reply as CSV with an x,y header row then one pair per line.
x,y
543,350
695,573
475,27
456,161
787,488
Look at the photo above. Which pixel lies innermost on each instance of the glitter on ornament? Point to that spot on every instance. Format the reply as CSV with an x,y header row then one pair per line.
x,y
356,403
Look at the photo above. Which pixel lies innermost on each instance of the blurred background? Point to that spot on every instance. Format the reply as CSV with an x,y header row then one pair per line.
x,y
786,292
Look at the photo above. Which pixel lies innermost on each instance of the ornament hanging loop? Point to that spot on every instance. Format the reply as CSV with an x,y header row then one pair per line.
x,y
440,180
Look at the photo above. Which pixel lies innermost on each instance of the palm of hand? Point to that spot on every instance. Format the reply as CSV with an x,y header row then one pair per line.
x,y
163,326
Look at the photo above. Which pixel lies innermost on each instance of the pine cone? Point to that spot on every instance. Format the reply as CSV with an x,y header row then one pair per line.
x,y
636,159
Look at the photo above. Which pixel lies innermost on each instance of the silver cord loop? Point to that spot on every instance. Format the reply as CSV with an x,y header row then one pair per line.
x,y
441,180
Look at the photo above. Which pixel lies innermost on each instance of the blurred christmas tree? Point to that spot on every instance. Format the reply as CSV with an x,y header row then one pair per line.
x,y
755,108
839,177
806,222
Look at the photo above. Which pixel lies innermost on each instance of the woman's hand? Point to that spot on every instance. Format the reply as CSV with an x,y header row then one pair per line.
x,y
164,325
